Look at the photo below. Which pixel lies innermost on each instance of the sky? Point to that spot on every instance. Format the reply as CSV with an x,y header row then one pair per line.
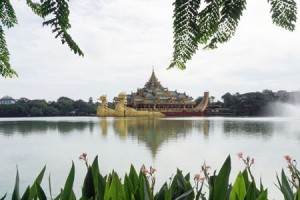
x,y
124,39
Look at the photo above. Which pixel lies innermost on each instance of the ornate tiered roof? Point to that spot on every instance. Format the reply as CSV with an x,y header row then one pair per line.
x,y
154,93
153,83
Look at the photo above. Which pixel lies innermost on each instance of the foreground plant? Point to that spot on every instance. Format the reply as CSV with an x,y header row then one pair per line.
x,y
140,185
290,187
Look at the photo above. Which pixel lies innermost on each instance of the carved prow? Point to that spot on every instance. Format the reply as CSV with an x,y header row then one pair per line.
x,y
203,104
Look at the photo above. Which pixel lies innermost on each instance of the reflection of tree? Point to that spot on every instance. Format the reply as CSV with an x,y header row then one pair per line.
x,y
154,132
41,127
248,128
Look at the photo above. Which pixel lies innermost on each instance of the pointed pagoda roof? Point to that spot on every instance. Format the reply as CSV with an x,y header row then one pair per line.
x,y
153,82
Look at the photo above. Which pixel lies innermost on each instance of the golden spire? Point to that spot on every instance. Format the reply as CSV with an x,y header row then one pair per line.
x,y
153,81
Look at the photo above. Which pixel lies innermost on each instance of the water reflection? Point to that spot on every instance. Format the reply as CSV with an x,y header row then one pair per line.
x,y
248,128
153,132
10,128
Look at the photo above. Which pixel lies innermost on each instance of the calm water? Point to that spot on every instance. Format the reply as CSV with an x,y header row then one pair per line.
x,y
168,143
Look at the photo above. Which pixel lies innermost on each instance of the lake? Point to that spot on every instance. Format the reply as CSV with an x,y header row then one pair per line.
x,y
164,143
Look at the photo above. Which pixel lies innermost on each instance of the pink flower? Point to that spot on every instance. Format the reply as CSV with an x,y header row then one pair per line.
x,y
240,155
288,158
83,156
152,170
144,170
198,177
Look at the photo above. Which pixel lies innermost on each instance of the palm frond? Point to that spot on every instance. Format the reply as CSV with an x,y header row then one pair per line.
x,y
284,13
185,31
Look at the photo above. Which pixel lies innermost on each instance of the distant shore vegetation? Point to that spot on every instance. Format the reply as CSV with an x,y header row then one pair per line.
x,y
247,104
64,106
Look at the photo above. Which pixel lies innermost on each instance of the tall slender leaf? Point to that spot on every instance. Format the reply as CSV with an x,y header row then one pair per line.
x,y
38,180
221,182
69,184
239,188
16,192
40,192
263,195
88,189
251,192
285,187
2,198
26,194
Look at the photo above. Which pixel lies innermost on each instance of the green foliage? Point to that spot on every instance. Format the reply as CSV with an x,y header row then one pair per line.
x,y
57,12
284,13
290,188
215,22
220,182
8,19
185,31
136,186
64,106
5,68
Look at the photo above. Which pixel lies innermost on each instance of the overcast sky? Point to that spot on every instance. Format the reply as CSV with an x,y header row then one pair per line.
x,y
123,39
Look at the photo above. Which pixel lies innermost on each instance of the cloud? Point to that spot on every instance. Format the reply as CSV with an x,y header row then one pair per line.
x,y
123,39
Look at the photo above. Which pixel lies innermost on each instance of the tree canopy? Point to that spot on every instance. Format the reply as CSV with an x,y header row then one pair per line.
x,y
206,23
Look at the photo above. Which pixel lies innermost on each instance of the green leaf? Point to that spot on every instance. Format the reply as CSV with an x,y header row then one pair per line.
x,y
261,186
263,195
162,192
144,188
133,178
147,193
230,14
7,14
239,188
2,198
185,195
107,187
128,188
251,192
16,192
38,180
95,174
246,179
284,13
59,11
88,190
40,192
285,187
297,197
185,32
101,187
5,68
221,182
115,191
26,194
69,184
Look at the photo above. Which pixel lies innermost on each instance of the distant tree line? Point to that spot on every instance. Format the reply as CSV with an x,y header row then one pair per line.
x,y
257,103
64,106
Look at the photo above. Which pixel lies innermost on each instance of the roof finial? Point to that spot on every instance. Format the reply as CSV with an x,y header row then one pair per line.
x,y
152,68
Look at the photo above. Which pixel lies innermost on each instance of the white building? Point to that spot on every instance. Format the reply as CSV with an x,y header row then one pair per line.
x,y
7,100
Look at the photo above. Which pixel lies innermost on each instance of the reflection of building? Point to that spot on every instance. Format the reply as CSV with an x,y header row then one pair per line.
x,y
153,96
152,131
7,100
